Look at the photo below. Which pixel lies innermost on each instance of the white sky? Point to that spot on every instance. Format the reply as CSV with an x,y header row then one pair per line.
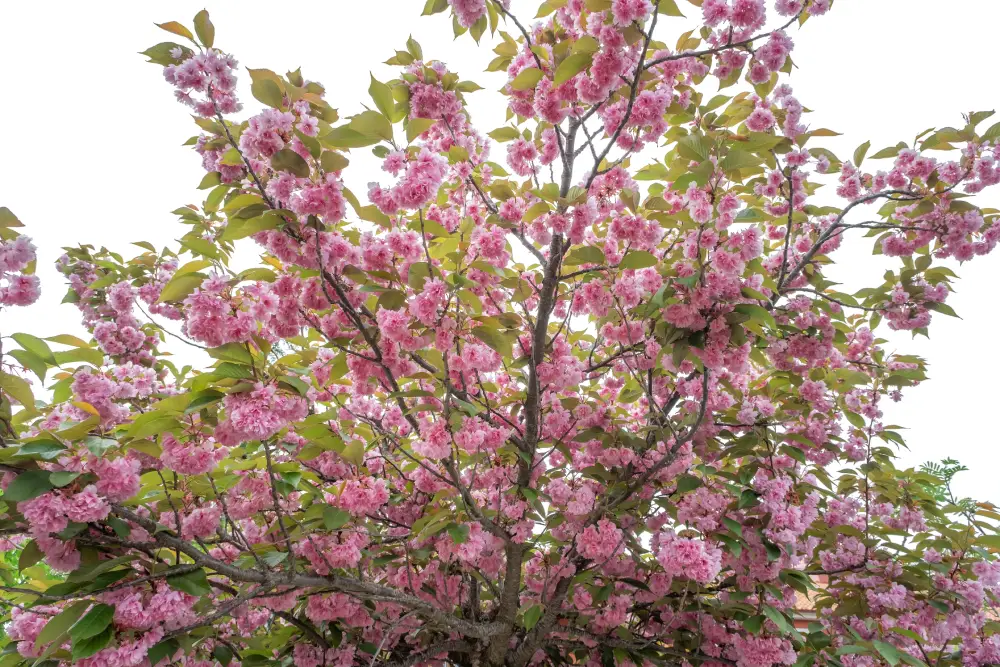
x,y
91,142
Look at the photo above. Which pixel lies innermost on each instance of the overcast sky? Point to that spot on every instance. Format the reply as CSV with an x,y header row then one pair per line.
x,y
91,143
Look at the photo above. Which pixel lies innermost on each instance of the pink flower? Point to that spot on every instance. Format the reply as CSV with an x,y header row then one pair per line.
x,y
87,506
760,120
201,522
266,133
520,154
364,496
258,414
689,558
468,11
628,11
434,441
192,457
210,73
426,304
599,542
756,651
418,186
21,290
323,200
45,514
118,479
748,13
715,12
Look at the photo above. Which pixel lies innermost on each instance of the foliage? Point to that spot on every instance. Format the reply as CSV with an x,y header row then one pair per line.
x,y
594,402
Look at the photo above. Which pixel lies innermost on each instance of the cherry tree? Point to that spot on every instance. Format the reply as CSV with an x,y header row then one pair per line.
x,y
577,389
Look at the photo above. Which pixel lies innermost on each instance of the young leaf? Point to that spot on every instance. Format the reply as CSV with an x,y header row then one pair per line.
x,y
532,615
204,28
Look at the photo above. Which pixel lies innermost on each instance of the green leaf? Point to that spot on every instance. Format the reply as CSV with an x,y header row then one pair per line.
x,y
66,339
495,340
235,371
30,555
223,654
19,389
586,254
887,651
62,478
354,452
503,134
418,274
36,346
694,147
638,259
992,541
860,152
288,160
176,28
778,619
267,92
347,137
203,26
334,517
736,160
942,308
907,633
527,79
855,419
31,361
333,161
459,532
200,246
88,647
272,558
202,399
747,498
238,229
160,54
91,356
159,423
414,48
532,615
259,273
753,624
180,286
417,126
94,623
372,124
164,649
757,314
734,526
98,446
571,66
850,649
27,485
382,96
193,583
891,151
993,132
687,483
231,352
193,266
61,622
669,7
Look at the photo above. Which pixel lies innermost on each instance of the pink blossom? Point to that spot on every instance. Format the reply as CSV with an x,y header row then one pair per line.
x,y
689,558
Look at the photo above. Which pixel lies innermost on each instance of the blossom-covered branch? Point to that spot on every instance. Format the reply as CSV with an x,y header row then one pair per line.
x,y
514,411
